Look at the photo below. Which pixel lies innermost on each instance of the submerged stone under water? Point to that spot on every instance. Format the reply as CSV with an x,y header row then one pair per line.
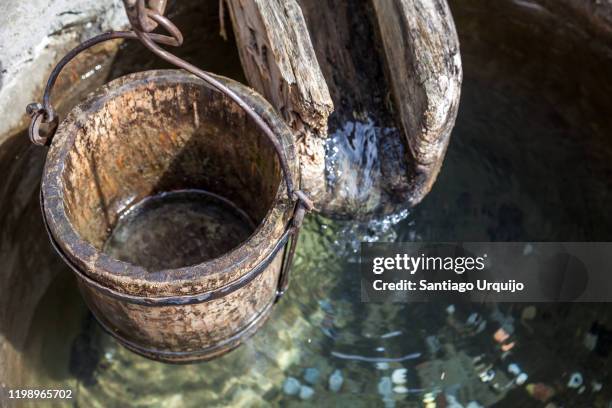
x,y
177,229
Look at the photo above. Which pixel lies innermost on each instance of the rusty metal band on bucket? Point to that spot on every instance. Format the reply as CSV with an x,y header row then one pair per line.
x,y
182,299
203,354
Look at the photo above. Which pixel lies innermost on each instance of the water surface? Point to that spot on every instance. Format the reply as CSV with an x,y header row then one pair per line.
x,y
177,229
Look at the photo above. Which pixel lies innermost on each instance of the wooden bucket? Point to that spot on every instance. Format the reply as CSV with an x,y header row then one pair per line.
x,y
152,133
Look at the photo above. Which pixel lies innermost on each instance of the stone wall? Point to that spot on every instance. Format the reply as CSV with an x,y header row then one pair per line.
x,y
34,34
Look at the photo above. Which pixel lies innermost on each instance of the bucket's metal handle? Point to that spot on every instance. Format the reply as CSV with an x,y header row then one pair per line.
x,y
143,20
44,113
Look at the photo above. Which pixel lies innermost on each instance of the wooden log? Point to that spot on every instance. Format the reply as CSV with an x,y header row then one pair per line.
x,y
366,164
424,67
302,57
280,63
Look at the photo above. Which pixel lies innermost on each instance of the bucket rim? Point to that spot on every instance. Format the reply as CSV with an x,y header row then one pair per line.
x,y
133,279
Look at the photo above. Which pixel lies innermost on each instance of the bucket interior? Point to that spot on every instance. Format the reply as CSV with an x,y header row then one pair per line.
x,y
168,173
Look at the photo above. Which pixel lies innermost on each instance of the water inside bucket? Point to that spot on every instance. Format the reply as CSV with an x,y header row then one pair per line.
x,y
178,228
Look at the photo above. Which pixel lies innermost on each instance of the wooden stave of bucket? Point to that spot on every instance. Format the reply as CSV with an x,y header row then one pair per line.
x,y
186,314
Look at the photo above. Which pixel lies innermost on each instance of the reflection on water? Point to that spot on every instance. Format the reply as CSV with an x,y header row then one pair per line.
x,y
529,160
